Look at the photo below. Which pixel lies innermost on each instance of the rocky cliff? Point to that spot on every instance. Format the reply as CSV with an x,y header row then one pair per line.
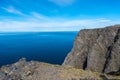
x,y
96,50
33,70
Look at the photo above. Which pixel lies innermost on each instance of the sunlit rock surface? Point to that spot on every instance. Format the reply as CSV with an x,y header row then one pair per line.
x,y
34,70
96,50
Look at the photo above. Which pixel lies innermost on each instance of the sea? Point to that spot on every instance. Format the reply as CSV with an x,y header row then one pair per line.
x,y
50,47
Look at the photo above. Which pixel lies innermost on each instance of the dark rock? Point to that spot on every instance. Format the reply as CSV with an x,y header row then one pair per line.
x,y
115,73
96,50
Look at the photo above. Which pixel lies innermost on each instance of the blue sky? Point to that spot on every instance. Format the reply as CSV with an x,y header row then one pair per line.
x,y
57,15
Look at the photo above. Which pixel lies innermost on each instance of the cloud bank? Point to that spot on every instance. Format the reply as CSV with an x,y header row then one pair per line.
x,y
38,22
45,24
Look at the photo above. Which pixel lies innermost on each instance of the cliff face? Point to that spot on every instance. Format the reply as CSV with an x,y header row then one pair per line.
x,y
96,50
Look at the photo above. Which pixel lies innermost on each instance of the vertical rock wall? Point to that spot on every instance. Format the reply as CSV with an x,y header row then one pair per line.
x,y
96,50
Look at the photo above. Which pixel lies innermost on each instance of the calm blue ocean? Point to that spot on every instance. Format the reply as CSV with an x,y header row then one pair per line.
x,y
50,47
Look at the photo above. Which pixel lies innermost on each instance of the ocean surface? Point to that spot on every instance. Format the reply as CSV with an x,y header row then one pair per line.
x,y
50,47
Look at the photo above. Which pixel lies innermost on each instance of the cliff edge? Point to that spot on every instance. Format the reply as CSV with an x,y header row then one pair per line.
x,y
96,50
33,70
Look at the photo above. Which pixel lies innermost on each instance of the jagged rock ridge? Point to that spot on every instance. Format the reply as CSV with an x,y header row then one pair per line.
x,y
96,50
33,70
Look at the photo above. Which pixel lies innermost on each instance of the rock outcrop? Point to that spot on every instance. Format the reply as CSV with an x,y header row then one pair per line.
x,y
96,50
33,70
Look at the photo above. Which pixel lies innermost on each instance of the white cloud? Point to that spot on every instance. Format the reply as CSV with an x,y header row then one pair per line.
x,y
39,16
62,2
104,20
40,22
11,9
